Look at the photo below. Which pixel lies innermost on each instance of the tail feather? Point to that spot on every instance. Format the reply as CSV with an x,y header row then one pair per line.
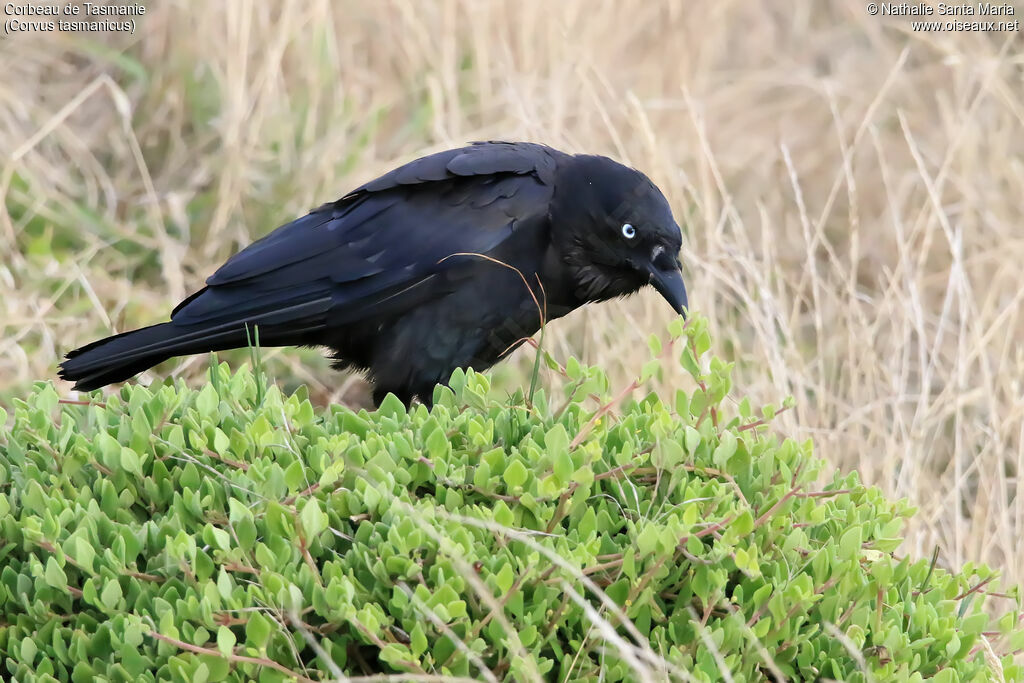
x,y
124,355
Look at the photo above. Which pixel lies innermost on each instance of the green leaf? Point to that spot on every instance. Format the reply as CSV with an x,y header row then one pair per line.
x,y
221,442
225,640
654,344
437,444
391,406
850,543
417,640
563,466
216,537
667,454
207,401
556,440
313,519
482,475
743,524
109,450
629,563
111,594
650,369
702,340
946,675
587,524
54,575
682,403
130,461
691,439
295,476
505,578
83,553
725,449
647,539
689,362
29,649
238,511
503,515
257,630
515,474
573,369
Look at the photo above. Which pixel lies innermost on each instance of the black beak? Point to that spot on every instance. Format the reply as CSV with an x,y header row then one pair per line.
x,y
669,283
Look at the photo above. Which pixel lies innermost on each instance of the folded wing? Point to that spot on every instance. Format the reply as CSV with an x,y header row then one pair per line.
x,y
381,244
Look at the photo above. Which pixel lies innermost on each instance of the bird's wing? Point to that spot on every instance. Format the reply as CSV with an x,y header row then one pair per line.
x,y
478,159
378,244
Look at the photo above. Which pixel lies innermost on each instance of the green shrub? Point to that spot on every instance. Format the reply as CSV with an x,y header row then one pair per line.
x,y
234,533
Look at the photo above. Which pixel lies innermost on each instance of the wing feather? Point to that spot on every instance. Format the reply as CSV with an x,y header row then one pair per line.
x,y
383,244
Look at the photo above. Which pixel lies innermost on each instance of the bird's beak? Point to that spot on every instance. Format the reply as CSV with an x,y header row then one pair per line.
x,y
669,283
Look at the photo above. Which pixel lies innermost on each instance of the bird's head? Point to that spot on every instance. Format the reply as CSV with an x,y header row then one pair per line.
x,y
615,232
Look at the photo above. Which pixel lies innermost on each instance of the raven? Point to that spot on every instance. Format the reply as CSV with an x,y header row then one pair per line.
x,y
451,260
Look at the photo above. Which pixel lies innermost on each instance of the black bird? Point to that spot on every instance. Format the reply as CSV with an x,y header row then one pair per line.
x,y
448,261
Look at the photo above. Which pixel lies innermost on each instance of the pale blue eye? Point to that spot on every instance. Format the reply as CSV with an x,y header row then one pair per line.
x,y
628,231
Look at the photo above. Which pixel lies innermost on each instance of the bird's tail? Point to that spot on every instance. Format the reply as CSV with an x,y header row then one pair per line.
x,y
120,357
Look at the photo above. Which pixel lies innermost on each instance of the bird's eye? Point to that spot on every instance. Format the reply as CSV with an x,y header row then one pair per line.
x,y
628,231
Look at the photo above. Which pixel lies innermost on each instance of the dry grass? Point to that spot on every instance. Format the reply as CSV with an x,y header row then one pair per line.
x,y
850,193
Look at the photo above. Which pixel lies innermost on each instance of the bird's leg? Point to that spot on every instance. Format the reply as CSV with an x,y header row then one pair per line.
x,y
426,394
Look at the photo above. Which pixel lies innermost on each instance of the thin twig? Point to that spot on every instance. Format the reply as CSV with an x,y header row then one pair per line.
x,y
231,657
